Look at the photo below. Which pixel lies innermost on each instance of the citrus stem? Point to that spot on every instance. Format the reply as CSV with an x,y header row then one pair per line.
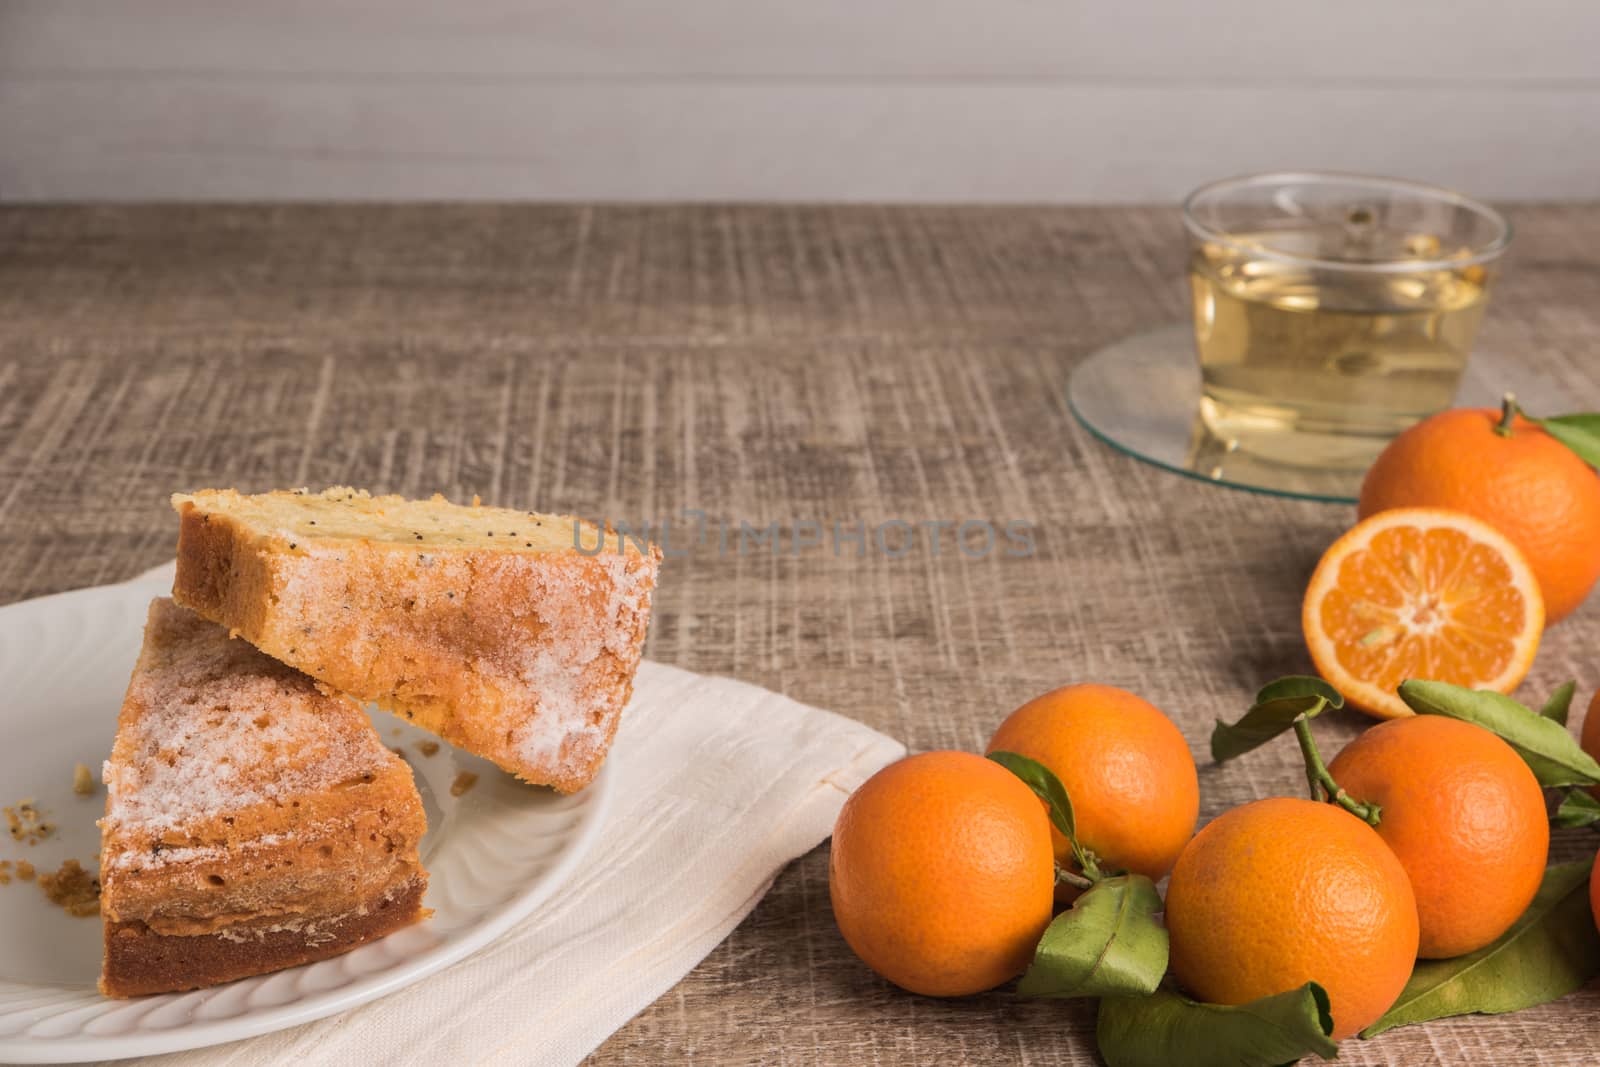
x,y
1089,862
1323,787
1508,414
1076,880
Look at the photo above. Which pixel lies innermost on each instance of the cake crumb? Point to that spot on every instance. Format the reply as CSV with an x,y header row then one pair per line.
x,y
26,822
5,872
82,780
25,870
72,889
428,748
464,781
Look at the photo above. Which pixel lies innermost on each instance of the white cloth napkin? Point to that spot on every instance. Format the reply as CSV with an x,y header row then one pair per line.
x,y
718,786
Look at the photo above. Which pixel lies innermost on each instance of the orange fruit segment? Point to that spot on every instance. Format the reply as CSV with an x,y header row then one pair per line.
x,y
1421,593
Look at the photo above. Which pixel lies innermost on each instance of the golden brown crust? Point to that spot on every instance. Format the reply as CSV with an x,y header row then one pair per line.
x,y
242,797
214,581
523,654
142,960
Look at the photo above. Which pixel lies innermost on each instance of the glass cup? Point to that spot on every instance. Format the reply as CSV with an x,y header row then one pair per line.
x,y
1332,311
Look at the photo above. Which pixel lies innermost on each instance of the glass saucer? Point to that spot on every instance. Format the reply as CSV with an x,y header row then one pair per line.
x,y
1141,395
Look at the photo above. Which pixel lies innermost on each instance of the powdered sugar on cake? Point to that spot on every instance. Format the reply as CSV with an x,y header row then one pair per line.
x,y
143,860
589,610
214,727
561,672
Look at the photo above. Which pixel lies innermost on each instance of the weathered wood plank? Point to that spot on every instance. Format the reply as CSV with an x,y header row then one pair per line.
x,y
761,365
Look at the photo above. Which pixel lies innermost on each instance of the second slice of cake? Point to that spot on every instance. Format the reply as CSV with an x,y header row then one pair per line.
x,y
253,822
492,628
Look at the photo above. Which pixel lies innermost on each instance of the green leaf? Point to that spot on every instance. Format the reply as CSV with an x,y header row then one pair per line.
x,y
1046,786
1552,950
1277,706
1560,703
1167,1028
1577,808
1581,433
1107,944
1544,744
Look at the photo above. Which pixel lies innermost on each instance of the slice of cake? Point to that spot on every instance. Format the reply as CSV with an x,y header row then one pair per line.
x,y
253,822
511,634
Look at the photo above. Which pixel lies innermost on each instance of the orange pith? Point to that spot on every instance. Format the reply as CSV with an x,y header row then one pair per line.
x,y
1421,593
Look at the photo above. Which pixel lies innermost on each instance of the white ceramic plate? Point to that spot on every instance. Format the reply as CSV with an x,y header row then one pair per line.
x,y
493,854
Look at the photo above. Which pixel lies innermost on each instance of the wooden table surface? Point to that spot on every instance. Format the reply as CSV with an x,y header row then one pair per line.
x,y
760,365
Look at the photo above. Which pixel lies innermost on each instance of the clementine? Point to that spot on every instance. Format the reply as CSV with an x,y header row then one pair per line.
x,y
1594,891
1589,737
1279,892
1126,767
941,873
1465,816
1421,593
1511,474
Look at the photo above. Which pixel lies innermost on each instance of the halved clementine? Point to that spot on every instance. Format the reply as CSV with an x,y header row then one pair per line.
x,y
1421,593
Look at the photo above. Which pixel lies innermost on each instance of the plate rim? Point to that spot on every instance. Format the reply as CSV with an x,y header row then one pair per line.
x,y
79,1047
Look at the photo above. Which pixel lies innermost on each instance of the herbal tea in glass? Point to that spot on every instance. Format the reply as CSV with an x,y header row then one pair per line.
x,y
1331,312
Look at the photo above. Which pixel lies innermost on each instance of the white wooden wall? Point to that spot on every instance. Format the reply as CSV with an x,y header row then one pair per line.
x,y
1002,100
